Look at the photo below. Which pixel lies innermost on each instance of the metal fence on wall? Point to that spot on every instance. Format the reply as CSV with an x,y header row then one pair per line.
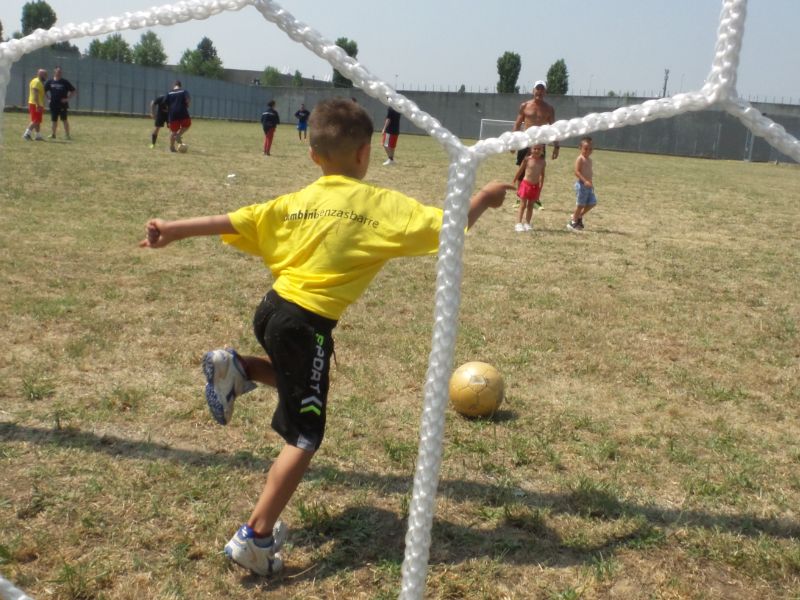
x,y
117,88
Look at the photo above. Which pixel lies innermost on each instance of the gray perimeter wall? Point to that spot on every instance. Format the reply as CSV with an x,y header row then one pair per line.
x,y
116,88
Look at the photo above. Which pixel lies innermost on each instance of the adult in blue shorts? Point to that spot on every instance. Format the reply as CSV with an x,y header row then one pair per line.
x,y
302,122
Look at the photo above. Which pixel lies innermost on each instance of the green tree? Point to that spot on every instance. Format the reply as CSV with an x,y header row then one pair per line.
x,y
351,48
202,61
114,48
40,15
297,79
149,52
558,78
271,77
508,68
66,48
1,31
37,15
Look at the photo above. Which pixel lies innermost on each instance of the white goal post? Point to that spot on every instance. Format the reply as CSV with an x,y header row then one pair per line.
x,y
491,128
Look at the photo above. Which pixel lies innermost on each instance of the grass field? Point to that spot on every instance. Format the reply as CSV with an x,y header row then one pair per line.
x,y
647,447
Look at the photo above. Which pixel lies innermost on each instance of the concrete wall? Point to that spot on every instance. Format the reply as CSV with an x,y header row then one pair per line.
x,y
111,87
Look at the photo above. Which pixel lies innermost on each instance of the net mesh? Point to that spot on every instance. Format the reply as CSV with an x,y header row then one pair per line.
x,y
719,90
493,127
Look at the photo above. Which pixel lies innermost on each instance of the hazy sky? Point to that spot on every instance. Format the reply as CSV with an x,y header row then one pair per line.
x,y
621,45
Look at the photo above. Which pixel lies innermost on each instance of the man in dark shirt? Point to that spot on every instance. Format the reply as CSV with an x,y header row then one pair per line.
x,y
390,133
59,91
178,101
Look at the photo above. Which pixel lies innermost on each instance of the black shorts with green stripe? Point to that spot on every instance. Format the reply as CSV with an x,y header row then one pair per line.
x,y
300,345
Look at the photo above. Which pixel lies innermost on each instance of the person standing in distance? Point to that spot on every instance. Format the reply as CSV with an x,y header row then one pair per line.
x,y
535,112
59,91
36,106
269,123
390,133
178,117
585,199
302,122
159,110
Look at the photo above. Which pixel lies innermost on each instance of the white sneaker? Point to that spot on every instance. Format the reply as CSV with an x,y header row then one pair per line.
x,y
519,228
225,380
527,227
388,162
27,136
242,550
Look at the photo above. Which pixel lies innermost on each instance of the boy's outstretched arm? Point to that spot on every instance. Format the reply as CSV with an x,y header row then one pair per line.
x,y
490,196
160,232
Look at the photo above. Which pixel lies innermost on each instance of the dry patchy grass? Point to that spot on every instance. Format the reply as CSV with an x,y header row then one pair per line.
x,y
647,447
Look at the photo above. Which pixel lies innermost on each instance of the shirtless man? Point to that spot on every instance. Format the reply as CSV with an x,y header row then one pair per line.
x,y
533,113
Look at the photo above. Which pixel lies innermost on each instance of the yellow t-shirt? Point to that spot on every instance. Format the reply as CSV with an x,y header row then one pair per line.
x,y
326,242
36,84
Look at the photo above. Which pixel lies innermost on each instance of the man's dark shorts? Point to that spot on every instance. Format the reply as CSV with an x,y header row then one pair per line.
x,y
161,119
300,345
58,112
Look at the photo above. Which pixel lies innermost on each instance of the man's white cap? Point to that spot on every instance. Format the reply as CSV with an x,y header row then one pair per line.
x,y
540,83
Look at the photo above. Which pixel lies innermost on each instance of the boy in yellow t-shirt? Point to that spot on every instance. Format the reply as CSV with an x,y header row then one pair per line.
x,y
323,244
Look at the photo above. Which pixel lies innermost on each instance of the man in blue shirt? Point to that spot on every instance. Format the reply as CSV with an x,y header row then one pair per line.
x,y
178,117
59,91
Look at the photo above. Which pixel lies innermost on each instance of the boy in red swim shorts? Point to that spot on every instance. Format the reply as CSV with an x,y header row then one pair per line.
x,y
530,179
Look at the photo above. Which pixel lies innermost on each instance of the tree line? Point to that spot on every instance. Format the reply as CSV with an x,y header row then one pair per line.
x,y
147,52
205,62
510,64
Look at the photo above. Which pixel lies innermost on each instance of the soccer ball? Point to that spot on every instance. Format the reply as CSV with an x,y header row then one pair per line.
x,y
476,389
182,148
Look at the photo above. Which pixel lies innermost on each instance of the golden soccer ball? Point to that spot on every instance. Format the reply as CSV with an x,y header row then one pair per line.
x,y
476,389
183,148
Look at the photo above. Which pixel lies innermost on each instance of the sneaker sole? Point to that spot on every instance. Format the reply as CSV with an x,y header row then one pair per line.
x,y
214,404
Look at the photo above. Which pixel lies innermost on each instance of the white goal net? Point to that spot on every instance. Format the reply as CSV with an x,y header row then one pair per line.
x,y
719,90
494,128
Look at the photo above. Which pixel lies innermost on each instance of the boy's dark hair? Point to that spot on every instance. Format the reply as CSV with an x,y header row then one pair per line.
x,y
339,125
585,138
271,103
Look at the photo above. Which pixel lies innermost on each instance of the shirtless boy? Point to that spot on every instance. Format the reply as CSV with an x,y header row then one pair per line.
x,y
530,178
585,200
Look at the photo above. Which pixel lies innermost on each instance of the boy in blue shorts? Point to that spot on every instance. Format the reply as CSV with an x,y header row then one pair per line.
x,y
585,200
323,244
302,115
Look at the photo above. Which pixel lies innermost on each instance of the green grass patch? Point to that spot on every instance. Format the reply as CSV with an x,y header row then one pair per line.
x,y
646,446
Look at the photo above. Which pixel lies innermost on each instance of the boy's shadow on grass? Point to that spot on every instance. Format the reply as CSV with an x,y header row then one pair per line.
x,y
518,531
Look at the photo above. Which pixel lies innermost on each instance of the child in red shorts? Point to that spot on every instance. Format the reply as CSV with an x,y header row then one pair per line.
x,y
530,179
